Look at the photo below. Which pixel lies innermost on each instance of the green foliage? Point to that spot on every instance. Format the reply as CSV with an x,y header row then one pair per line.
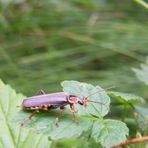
x,y
126,97
109,132
84,90
142,74
97,44
142,117
46,42
142,111
143,3
101,129
12,135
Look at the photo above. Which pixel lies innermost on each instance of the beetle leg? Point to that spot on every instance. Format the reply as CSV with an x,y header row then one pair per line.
x,y
72,109
85,103
40,92
28,118
59,115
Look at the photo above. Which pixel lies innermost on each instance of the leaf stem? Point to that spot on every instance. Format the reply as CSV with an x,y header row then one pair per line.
x,y
142,3
132,141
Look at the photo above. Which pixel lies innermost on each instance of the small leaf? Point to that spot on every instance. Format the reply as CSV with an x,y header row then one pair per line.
x,y
142,117
44,122
70,129
84,90
130,98
142,74
12,135
77,88
109,132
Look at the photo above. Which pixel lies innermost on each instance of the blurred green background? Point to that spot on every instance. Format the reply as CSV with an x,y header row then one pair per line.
x,y
97,41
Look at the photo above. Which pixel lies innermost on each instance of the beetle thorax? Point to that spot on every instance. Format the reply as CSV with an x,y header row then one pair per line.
x,y
74,100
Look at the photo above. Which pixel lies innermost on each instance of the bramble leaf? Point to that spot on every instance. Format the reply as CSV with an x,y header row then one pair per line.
x,y
142,74
44,122
95,93
12,135
109,132
126,97
142,117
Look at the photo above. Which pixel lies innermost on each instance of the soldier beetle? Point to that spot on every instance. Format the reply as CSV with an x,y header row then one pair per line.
x,y
44,101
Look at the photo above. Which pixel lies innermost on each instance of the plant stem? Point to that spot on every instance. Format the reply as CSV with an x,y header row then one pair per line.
x,y
142,3
132,141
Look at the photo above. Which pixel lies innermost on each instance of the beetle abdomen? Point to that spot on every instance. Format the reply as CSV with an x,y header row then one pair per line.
x,y
55,100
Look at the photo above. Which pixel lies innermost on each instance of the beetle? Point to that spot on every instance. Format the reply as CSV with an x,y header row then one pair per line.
x,y
46,102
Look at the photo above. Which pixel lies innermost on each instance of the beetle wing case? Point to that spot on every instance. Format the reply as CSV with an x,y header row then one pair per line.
x,y
53,99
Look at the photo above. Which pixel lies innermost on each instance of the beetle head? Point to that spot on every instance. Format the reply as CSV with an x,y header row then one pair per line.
x,y
74,100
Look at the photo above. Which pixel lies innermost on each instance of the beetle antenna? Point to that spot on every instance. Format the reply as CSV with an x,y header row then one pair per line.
x,y
95,102
87,100
98,102
100,91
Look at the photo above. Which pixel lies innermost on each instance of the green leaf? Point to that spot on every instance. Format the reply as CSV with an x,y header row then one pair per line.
x,y
43,122
142,74
12,135
129,98
109,132
84,90
142,117
142,3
